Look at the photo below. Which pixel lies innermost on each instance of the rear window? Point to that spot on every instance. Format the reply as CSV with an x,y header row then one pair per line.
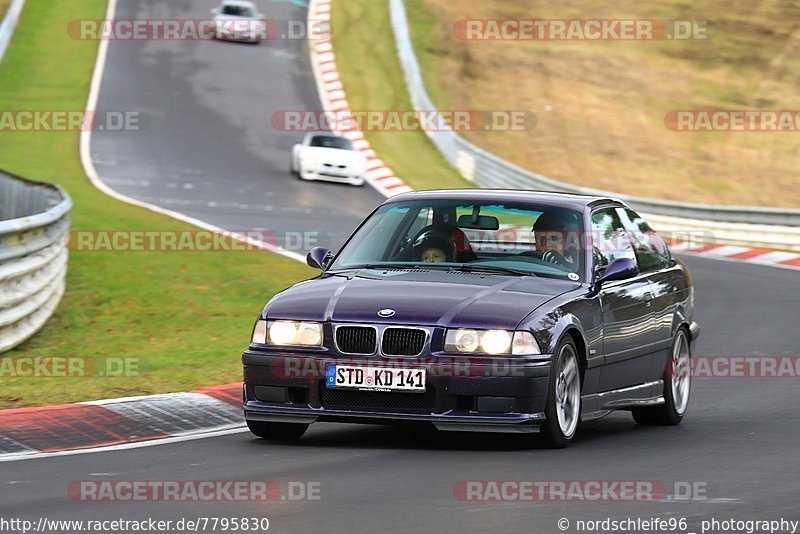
x,y
651,251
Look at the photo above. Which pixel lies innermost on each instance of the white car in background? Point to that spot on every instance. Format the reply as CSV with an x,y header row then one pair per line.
x,y
328,157
239,20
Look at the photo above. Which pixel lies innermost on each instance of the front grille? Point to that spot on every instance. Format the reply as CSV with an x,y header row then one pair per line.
x,y
356,339
403,341
399,402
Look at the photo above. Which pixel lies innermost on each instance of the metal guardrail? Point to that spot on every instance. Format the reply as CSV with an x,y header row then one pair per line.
x,y
33,255
488,170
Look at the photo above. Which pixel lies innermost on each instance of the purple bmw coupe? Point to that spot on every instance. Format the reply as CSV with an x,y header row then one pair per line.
x,y
479,310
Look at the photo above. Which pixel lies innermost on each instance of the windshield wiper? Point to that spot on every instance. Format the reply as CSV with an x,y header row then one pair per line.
x,y
467,268
401,265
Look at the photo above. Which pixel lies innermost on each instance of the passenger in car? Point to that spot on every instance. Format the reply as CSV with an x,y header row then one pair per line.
x,y
431,248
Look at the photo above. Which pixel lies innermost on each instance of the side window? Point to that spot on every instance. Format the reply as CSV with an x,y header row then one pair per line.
x,y
652,252
609,239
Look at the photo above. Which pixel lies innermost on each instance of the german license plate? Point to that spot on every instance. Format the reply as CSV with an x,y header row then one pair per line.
x,y
368,378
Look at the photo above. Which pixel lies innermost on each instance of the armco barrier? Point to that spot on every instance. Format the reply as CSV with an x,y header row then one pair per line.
x,y
33,255
751,226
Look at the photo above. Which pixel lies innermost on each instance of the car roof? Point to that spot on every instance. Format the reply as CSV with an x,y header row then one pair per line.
x,y
565,200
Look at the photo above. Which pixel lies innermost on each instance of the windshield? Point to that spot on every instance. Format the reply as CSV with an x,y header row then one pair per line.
x,y
238,11
331,141
518,238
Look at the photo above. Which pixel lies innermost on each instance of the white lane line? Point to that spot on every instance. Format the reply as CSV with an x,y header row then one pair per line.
x,y
8,23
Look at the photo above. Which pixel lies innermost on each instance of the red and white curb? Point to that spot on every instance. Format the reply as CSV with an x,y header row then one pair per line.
x,y
772,258
332,96
48,430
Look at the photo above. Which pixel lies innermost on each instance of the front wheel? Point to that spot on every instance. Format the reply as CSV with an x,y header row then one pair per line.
x,y
563,407
277,431
677,384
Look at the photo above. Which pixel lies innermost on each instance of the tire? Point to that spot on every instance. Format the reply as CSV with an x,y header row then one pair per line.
x,y
677,387
563,405
277,431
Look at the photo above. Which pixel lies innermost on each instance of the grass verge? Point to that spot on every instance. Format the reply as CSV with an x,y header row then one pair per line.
x,y
601,106
181,317
373,80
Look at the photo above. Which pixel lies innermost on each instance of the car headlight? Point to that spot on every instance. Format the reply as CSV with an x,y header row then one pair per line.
x,y
260,332
306,334
467,340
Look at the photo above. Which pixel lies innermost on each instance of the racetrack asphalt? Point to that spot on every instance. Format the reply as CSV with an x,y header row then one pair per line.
x,y
209,152
206,146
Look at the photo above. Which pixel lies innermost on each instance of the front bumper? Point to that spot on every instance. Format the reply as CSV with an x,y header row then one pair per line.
x,y
474,394
238,36
694,331
329,176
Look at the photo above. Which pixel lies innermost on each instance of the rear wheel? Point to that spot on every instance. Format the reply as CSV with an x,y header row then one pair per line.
x,y
677,385
563,407
277,431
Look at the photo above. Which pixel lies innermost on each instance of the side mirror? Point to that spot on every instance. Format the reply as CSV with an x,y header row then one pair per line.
x,y
619,269
318,257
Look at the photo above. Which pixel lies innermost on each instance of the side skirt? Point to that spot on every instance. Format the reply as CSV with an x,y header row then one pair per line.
x,y
598,405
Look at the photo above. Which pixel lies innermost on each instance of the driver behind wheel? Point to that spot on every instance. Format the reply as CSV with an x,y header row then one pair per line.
x,y
554,234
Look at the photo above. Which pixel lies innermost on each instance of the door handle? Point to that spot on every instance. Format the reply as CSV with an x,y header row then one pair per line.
x,y
648,297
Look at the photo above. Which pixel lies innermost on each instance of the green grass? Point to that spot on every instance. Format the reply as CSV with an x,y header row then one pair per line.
x,y
373,80
601,105
185,316
3,7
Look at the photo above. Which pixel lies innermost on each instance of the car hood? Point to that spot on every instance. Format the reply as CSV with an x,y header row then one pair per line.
x,y
334,156
432,298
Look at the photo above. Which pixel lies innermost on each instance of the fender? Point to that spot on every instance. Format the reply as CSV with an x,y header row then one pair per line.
x,y
679,319
566,322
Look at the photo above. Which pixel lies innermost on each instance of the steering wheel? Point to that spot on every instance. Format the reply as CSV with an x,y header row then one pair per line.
x,y
551,256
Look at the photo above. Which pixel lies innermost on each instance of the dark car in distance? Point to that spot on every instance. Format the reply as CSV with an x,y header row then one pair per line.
x,y
479,310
